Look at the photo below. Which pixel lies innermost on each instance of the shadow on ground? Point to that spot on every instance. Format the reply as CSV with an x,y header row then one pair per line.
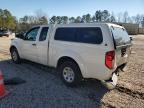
x,y
90,91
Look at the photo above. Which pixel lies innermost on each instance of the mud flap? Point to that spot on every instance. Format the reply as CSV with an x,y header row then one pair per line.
x,y
111,84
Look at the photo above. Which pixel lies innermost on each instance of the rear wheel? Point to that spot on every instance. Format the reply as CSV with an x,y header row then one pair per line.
x,y
15,56
70,73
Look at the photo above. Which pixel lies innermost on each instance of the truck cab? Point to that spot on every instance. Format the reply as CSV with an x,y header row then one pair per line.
x,y
33,45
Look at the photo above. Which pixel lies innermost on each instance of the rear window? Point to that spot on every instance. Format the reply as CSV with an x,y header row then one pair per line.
x,y
121,36
92,35
89,35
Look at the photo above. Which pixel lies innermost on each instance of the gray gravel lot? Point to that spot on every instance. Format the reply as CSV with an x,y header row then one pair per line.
x,y
44,89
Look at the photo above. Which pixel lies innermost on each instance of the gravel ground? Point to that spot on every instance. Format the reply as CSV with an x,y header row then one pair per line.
x,y
44,89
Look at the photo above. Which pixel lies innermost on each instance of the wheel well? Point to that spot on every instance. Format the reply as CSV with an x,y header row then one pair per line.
x,y
12,47
63,59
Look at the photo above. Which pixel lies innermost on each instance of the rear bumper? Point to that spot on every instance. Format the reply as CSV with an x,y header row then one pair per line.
x,y
112,81
111,84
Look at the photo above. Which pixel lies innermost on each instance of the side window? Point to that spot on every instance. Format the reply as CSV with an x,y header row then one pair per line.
x,y
91,35
43,34
65,34
31,35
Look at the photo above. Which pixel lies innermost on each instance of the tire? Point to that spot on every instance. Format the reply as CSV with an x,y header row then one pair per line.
x,y
70,73
15,56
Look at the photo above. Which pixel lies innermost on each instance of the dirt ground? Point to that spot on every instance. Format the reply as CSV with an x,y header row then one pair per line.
x,y
44,89
130,90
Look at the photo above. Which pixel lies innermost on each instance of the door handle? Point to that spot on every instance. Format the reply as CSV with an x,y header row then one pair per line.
x,y
34,44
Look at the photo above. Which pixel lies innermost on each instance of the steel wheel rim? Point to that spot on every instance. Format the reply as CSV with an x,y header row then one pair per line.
x,y
68,74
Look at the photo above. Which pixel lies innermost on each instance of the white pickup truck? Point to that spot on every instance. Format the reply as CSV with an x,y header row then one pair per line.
x,y
78,51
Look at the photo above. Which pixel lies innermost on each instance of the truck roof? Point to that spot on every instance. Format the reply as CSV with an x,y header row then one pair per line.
x,y
114,25
84,24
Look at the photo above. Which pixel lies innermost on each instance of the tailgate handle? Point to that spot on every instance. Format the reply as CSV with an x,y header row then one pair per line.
x,y
34,44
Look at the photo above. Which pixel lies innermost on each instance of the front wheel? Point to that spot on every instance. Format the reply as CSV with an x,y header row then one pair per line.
x,y
70,73
15,56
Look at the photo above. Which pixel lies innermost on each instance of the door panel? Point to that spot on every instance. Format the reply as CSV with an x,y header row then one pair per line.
x,y
42,46
29,45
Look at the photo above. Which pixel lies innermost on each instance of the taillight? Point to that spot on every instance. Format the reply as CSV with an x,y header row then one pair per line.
x,y
109,59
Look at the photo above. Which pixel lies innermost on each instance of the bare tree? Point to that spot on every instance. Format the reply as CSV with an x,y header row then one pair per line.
x,y
40,15
138,19
119,17
142,22
125,17
112,18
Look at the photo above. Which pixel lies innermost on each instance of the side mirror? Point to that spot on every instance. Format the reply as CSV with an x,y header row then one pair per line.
x,y
20,35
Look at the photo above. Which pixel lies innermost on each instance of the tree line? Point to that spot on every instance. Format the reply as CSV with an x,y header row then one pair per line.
x,y
99,16
7,20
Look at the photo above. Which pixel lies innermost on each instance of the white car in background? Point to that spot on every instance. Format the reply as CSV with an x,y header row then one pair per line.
x,y
6,33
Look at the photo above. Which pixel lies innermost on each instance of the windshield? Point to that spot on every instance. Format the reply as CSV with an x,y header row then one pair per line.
x,y
121,36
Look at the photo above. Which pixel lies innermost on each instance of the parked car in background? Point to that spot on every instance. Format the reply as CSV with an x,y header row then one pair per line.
x,y
78,51
5,33
1,33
